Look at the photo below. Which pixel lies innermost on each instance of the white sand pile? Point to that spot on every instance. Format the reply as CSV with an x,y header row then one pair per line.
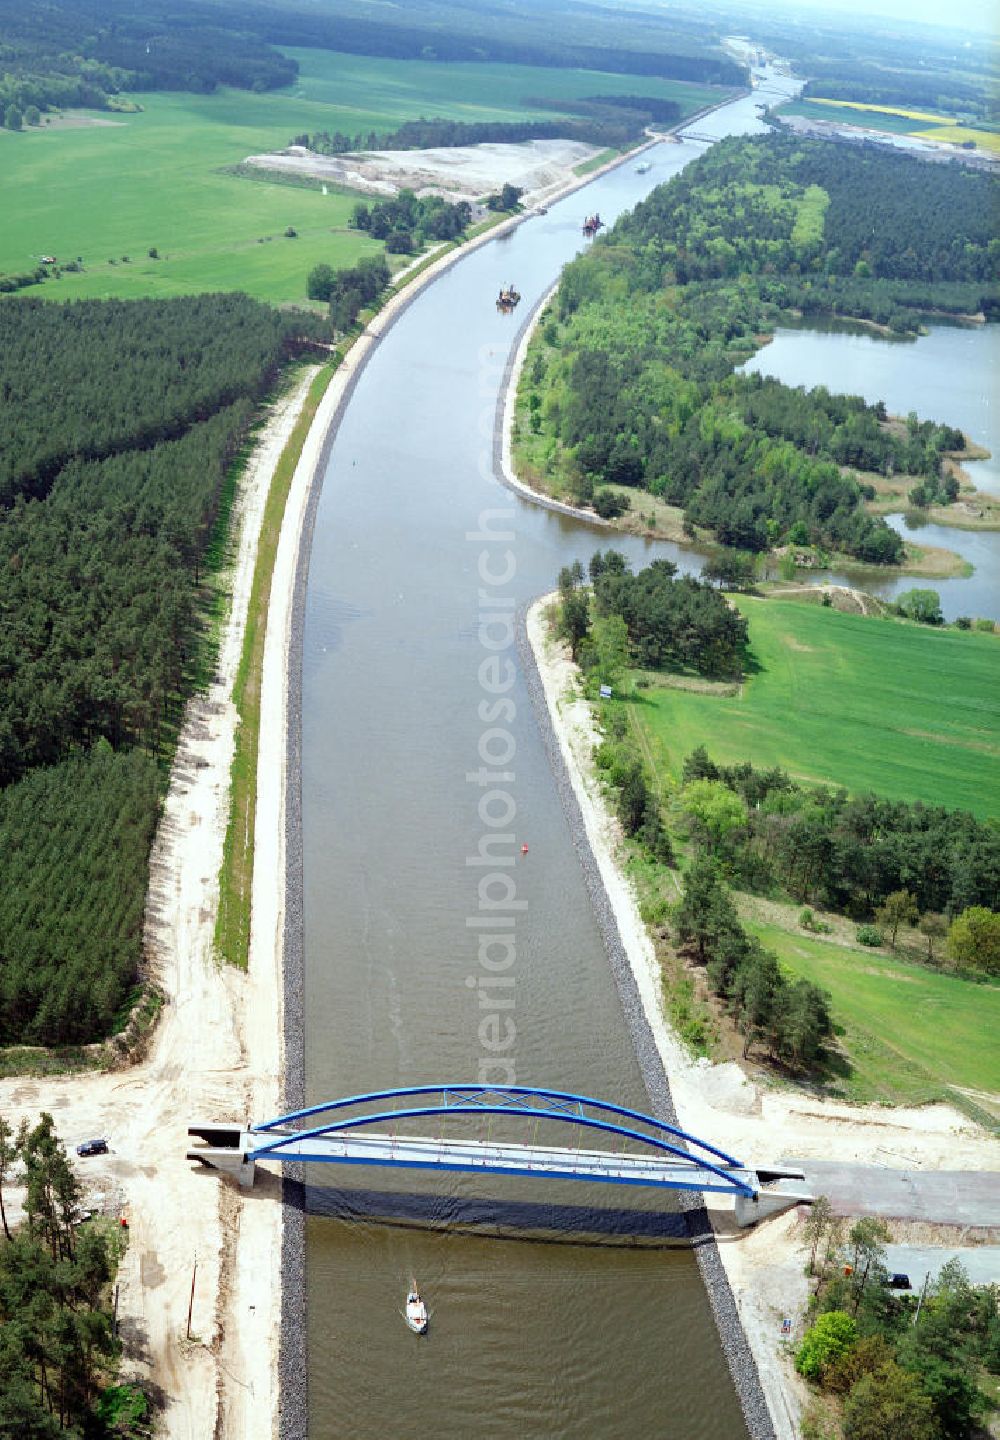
x,y
460,172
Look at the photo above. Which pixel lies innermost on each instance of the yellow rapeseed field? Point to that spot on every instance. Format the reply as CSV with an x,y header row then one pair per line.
x,y
885,110
944,126
956,134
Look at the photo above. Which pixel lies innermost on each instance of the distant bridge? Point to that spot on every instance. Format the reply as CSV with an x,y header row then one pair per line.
x,y
377,1129
697,135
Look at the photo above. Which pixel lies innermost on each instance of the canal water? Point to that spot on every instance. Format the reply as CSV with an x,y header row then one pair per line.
x,y
951,374
541,1324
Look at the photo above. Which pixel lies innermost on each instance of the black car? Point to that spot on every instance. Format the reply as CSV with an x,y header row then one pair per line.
x,y
899,1282
93,1147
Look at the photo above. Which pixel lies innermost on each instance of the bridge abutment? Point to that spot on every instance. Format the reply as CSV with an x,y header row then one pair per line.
x,y
225,1149
771,1199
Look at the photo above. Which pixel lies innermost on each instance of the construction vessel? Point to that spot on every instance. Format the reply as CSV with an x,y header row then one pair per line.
x,y
507,299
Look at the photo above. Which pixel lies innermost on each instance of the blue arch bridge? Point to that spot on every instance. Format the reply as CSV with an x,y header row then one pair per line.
x,y
383,1129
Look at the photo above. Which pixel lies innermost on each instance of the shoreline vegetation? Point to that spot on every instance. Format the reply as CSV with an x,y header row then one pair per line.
x,y
722,765
653,518
232,926
972,509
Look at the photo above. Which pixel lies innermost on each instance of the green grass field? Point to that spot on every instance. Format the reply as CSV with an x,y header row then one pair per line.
x,y
158,178
905,710
909,1031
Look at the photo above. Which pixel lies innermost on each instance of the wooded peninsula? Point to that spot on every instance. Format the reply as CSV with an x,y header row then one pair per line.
x,y
630,384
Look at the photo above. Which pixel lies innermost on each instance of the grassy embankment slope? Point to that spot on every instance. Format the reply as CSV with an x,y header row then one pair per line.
x,y
160,178
895,120
232,926
910,1032
871,704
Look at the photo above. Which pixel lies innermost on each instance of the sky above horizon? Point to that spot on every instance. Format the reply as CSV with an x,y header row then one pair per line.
x,y
978,15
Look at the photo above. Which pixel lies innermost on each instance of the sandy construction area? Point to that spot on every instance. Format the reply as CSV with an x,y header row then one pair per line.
x,y
721,1104
461,172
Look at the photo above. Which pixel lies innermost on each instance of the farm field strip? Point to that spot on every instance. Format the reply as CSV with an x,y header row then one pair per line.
x,y
897,120
960,134
931,116
844,700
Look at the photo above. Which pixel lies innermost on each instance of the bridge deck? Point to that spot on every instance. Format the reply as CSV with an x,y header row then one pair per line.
x,y
540,1161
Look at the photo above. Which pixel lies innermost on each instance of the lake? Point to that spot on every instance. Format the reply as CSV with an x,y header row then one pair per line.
x,y
951,374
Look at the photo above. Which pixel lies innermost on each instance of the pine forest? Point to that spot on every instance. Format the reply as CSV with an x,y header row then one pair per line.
x,y
127,418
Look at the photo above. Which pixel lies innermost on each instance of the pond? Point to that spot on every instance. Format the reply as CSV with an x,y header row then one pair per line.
x,y
951,374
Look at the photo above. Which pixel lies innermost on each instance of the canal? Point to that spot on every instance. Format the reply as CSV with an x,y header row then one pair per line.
x,y
539,1326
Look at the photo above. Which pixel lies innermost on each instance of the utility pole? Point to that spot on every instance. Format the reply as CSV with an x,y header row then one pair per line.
x,y
194,1272
923,1292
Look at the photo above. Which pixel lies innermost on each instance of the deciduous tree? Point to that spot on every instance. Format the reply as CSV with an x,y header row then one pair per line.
x,y
922,605
715,810
868,1238
899,908
889,1404
731,569
974,939
933,928
817,1226
830,1337
609,639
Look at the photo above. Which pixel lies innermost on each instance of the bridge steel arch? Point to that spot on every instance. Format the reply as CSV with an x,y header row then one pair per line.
x,y
697,1163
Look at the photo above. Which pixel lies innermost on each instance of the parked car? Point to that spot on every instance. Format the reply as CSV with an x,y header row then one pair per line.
x,y
93,1147
899,1282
